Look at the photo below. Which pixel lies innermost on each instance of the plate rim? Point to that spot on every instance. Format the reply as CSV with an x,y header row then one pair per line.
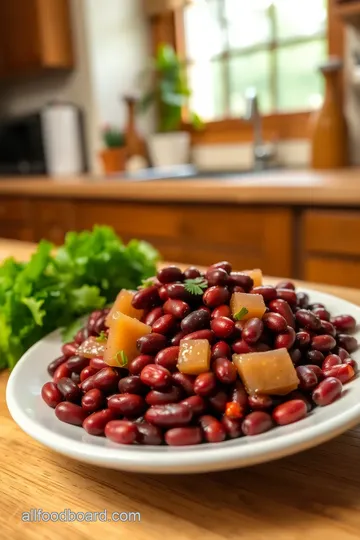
x,y
190,459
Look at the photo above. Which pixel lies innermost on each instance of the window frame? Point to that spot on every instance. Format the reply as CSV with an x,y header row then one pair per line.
x,y
169,28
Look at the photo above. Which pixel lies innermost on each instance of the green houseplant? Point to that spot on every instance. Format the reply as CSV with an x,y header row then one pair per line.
x,y
114,154
169,93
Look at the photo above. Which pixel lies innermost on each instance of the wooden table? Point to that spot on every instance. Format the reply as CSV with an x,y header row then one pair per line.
x,y
313,495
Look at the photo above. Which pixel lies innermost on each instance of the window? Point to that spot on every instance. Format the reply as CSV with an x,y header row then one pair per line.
x,y
274,46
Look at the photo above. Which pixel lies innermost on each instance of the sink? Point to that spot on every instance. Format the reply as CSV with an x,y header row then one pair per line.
x,y
184,172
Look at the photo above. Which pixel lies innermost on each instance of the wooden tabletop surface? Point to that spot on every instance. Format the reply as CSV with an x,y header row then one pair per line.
x,y
313,495
292,187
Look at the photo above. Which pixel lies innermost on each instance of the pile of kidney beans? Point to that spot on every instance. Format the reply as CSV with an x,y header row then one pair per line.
x,y
151,402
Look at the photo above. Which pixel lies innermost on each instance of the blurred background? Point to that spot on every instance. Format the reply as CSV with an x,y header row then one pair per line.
x,y
225,93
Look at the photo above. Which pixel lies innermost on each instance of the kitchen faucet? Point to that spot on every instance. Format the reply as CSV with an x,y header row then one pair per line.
x,y
263,153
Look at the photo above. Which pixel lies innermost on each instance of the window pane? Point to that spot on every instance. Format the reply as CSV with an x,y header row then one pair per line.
x,y
300,86
252,70
204,35
296,18
206,81
248,22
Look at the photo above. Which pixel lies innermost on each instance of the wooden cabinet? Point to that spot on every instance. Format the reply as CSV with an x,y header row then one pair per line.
x,y
16,219
52,219
34,35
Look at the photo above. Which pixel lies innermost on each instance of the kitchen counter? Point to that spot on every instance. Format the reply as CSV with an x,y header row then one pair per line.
x,y
289,187
315,494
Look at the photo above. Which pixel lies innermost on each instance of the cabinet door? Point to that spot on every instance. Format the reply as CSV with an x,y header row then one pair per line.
x,y
53,219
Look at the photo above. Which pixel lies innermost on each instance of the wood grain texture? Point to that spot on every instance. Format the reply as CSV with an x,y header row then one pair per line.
x,y
332,231
55,33
315,494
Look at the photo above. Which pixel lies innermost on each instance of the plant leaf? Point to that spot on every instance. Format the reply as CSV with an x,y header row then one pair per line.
x,y
241,314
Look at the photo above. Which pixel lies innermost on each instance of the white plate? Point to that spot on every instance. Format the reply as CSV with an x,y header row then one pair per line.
x,y
39,421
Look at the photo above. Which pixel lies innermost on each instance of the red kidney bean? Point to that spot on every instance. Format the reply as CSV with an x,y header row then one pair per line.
x,y
186,382
51,394
323,343
69,389
328,328
99,325
171,415
82,335
344,323
172,395
120,431
215,296
342,353
205,384
315,357
349,343
352,363
252,330
75,377
217,276
201,334
178,308
205,308
256,422
238,289
61,372
239,279
316,305
241,347
303,300
163,293
327,391
164,324
296,394
275,322
177,291
130,405
286,285
260,402
295,356
302,339
170,274
77,363
240,396
213,430
153,315
221,311
222,327
70,413
183,436
146,298
322,313
97,363
196,320
93,319
148,434
175,341
317,370
151,343
344,373
87,384
156,377
267,292
224,370
232,426
221,349
287,294
307,319
225,265
96,422
52,367
106,380
136,365
168,358
289,412
307,377
330,361
192,272
282,307
196,404
69,349
285,339
93,400
132,385
218,401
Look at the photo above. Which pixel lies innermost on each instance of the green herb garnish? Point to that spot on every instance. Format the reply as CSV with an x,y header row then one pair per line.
x,y
101,337
241,314
149,282
196,286
121,359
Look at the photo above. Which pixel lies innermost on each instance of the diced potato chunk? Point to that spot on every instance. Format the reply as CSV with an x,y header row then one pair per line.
x,y
270,372
123,334
247,305
123,305
194,356
92,348
256,275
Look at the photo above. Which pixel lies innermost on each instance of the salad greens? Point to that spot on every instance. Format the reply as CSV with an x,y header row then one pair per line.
x,y
54,289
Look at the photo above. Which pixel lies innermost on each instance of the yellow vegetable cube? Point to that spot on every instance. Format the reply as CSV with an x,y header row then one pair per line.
x,y
123,305
270,372
246,306
123,334
256,275
194,356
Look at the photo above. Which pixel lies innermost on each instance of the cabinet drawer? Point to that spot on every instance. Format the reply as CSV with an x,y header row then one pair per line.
x,y
332,231
345,273
53,219
14,210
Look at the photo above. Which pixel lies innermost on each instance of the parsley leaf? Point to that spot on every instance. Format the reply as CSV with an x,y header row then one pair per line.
x,y
149,282
101,337
121,359
241,314
196,286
